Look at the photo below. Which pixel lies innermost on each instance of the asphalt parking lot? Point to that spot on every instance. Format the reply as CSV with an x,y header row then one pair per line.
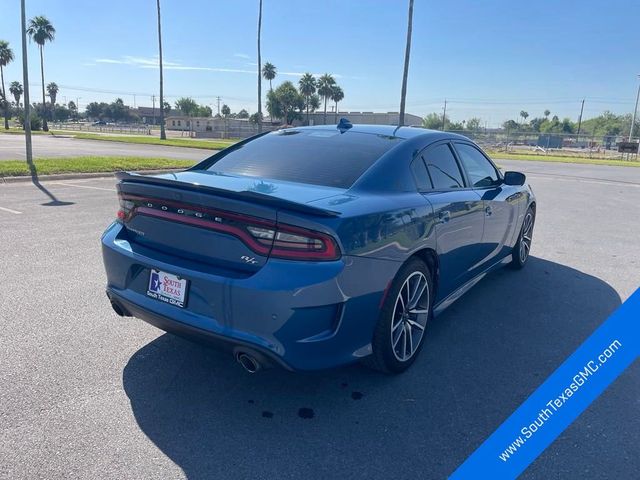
x,y
12,148
87,394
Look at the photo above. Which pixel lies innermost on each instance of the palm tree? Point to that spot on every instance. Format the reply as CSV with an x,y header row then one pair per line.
x,y
336,95
41,31
524,115
405,74
259,116
307,85
269,72
6,56
547,113
325,88
16,90
52,90
163,134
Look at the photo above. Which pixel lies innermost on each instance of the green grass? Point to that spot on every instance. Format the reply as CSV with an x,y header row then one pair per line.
x,y
148,140
139,139
556,158
89,164
19,131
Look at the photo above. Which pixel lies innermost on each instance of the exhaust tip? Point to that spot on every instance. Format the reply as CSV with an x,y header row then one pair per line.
x,y
119,310
249,363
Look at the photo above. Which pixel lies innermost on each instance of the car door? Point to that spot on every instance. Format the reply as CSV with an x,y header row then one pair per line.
x,y
500,201
459,212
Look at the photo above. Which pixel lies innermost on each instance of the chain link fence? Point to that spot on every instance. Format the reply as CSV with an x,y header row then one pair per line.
x,y
556,144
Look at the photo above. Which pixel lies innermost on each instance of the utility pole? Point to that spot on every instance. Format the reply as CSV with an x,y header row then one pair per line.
x,y
444,115
635,110
405,73
25,79
134,100
580,117
218,101
78,108
153,99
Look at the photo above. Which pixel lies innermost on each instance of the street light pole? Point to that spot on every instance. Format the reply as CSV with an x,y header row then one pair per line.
x,y
635,110
25,79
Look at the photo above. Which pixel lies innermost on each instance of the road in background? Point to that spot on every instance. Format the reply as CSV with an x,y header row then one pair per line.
x,y
86,394
12,148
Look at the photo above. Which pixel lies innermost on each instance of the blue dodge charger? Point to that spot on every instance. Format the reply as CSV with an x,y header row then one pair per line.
x,y
315,247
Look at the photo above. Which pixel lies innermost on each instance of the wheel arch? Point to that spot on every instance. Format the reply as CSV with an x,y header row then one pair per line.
x,y
430,257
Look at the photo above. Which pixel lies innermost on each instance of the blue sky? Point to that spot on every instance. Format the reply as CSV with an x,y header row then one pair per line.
x,y
490,59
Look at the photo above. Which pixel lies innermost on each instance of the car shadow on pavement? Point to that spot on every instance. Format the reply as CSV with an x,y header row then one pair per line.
x,y
481,359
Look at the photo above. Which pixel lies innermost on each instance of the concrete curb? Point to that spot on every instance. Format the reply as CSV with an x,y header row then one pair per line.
x,y
75,176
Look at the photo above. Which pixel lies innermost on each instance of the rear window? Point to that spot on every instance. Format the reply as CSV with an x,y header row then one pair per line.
x,y
319,157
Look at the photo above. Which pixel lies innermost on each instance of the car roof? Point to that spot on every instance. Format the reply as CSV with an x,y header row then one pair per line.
x,y
391,131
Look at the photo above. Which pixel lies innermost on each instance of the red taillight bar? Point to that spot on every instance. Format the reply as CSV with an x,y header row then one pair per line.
x,y
295,250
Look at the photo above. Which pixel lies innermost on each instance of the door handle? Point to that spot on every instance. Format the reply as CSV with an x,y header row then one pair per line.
x,y
444,216
488,211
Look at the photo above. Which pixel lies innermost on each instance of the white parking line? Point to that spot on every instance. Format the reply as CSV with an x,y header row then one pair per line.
x,y
10,210
83,186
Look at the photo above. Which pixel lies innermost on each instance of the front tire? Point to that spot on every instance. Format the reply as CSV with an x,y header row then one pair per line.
x,y
522,248
399,333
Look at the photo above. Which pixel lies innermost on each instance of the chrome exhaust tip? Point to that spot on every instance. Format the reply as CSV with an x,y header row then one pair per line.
x,y
249,363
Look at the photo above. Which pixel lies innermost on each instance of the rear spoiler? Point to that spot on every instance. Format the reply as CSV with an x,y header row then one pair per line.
x,y
259,198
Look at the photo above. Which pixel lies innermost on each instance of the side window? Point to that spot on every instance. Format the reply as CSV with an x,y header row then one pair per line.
x,y
420,174
443,168
480,171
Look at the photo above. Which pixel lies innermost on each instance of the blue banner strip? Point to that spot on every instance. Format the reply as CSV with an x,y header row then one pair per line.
x,y
560,399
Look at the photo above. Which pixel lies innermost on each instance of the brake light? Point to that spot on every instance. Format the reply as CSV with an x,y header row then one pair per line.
x,y
297,243
264,237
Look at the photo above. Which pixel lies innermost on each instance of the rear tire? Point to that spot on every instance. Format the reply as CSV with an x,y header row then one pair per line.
x,y
399,333
522,247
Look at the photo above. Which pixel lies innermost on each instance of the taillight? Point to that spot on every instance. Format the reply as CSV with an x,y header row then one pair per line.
x,y
263,236
296,243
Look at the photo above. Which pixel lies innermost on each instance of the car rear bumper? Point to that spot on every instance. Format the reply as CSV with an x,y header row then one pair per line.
x,y
299,315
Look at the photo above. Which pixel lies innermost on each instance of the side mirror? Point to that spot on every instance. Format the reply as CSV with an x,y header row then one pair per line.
x,y
514,178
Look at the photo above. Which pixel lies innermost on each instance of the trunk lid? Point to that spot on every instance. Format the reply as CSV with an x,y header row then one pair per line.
x,y
220,220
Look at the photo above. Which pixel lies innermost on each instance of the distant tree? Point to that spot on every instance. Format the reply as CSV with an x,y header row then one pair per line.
x,y
203,111
254,118
41,31
537,123
337,95
226,111
73,110
16,90
524,115
314,102
547,113
510,125
285,102
52,90
94,110
325,88
473,124
307,85
608,123
454,126
269,72
6,57
187,106
243,114
166,107
433,121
